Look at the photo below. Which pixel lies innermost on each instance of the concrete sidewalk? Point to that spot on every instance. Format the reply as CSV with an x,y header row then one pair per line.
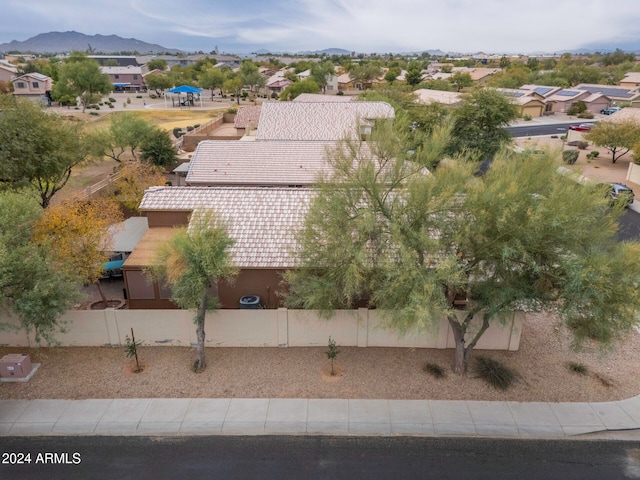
x,y
257,416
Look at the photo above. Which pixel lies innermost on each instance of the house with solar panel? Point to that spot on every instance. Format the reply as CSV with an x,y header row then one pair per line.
x,y
33,86
614,93
529,102
560,99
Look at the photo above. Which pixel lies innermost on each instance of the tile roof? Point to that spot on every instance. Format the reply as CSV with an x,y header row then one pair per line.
x,y
262,221
321,97
247,116
429,96
223,162
316,121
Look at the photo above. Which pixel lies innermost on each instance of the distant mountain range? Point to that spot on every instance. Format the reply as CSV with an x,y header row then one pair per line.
x,y
62,42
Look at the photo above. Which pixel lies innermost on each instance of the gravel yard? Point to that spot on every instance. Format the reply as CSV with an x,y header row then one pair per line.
x,y
384,373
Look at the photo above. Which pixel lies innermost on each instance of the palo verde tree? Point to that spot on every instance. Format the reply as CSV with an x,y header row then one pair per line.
x,y
38,149
80,76
33,285
125,134
192,263
212,78
617,137
381,230
158,82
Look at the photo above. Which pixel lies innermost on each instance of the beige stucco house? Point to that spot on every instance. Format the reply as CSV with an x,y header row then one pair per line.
x,y
33,86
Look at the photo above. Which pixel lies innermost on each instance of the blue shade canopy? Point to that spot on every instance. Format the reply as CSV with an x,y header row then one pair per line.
x,y
113,264
185,89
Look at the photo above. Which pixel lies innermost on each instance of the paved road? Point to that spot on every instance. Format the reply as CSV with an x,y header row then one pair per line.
x,y
537,129
629,226
321,457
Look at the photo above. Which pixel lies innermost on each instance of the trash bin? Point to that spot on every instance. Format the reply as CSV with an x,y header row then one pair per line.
x,y
250,302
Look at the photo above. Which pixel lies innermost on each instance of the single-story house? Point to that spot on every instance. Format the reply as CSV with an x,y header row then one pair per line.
x,y
631,81
528,102
247,118
262,222
319,121
428,96
613,93
261,163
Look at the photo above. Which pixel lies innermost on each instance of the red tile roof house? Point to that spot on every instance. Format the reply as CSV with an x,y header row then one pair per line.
x,y
33,86
7,71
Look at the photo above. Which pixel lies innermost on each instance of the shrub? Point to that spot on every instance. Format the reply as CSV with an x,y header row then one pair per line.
x,y
577,108
94,113
433,369
585,115
153,95
111,106
138,96
582,145
189,128
332,353
177,132
493,372
570,156
579,368
196,125
527,118
232,110
112,100
128,99
592,155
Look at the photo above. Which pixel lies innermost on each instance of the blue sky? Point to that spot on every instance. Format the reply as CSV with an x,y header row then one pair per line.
x,y
492,26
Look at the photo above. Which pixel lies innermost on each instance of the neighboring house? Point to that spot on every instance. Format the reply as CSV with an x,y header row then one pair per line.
x,y
33,86
129,79
528,102
261,221
7,72
428,97
562,100
319,121
247,118
479,75
347,83
615,94
631,81
265,164
277,84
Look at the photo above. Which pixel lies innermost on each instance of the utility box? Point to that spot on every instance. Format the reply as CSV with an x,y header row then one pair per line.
x,y
15,365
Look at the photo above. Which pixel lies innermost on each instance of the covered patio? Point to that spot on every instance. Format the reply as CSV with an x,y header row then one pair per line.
x,y
186,96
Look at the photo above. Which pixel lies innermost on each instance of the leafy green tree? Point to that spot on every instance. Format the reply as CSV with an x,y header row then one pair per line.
x,y
439,84
38,148
414,73
32,285
157,64
296,88
212,78
618,138
479,123
158,82
157,148
321,72
461,80
504,62
80,76
233,83
192,263
125,134
249,75
382,233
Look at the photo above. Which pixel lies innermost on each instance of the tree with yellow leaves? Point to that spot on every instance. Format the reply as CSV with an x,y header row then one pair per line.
x,y
77,232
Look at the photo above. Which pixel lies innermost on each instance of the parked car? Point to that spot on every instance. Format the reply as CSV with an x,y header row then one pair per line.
x,y
618,193
610,110
583,127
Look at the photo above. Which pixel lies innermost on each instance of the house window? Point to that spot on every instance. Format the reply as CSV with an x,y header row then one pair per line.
x,y
21,85
117,76
35,84
135,77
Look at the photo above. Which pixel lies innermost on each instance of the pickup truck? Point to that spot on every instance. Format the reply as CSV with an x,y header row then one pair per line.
x,y
610,110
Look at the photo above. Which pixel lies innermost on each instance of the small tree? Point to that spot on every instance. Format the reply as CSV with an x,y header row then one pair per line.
x,y
192,262
332,353
131,349
157,149
617,137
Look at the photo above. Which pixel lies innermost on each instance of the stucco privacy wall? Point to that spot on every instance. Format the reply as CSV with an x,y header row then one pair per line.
x,y
256,328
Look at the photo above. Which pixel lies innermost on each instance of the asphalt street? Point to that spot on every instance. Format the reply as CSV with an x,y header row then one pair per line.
x,y
294,457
